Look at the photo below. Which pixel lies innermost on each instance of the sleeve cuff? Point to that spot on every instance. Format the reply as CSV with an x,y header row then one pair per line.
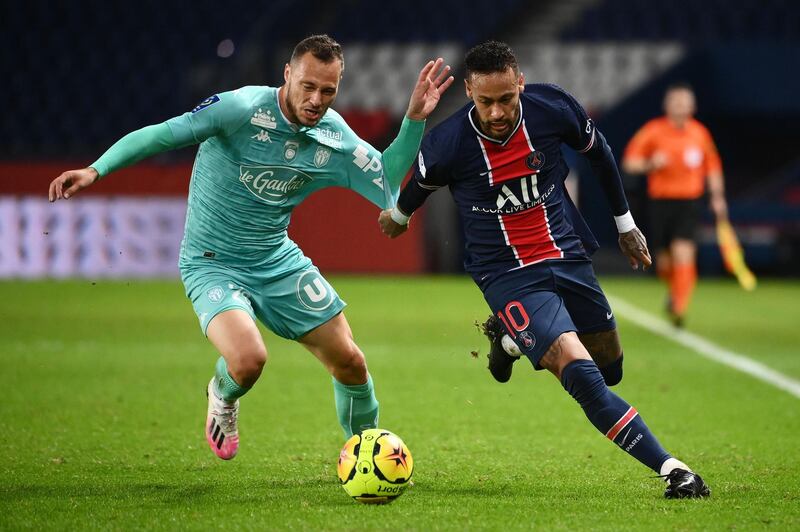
x,y
625,222
398,217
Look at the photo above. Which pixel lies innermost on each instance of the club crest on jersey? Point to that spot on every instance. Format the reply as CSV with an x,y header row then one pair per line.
x,y
290,150
322,156
527,339
535,160
273,184
205,103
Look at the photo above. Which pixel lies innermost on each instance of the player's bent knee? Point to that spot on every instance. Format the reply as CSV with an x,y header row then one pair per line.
x,y
350,366
246,366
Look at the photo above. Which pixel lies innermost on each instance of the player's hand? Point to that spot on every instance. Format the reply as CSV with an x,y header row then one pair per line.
x,y
389,227
71,182
432,82
634,246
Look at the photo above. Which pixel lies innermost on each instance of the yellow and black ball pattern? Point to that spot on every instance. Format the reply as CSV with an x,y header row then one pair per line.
x,y
375,466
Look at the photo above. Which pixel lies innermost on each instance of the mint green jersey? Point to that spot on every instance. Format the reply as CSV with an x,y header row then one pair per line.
x,y
253,167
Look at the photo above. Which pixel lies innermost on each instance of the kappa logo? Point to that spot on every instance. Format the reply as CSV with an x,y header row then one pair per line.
x,y
290,149
262,136
322,156
264,119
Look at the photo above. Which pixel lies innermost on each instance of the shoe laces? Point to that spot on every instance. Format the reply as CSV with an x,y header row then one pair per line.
x,y
674,474
227,416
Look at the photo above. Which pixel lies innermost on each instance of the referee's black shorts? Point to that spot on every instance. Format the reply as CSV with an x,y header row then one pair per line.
x,y
672,219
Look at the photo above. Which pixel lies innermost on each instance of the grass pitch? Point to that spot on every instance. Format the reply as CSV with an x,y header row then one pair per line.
x,y
103,411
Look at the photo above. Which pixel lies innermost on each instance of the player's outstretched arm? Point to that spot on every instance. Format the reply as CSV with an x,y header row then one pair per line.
x,y
130,149
433,80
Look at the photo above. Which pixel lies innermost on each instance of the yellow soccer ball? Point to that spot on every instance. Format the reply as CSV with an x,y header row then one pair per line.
x,y
375,466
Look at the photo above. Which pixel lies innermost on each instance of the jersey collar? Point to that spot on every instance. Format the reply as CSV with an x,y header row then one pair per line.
x,y
490,139
294,127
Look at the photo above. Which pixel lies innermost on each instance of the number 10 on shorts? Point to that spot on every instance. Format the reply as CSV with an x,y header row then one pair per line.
x,y
514,318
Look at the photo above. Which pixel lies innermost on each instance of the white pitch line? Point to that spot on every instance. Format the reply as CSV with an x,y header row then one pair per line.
x,y
705,347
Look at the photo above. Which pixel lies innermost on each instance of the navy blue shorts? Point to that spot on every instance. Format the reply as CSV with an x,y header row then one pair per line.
x,y
538,303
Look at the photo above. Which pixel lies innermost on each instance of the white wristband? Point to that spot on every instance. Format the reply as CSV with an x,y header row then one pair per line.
x,y
625,222
399,217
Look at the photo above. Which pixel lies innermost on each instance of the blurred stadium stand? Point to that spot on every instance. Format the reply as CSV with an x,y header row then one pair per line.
x,y
82,74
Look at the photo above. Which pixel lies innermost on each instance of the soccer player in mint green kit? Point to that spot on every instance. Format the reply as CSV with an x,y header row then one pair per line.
x,y
262,151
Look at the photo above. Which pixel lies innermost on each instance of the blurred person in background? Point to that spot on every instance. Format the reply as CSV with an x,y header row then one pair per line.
x,y
262,151
679,157
528,248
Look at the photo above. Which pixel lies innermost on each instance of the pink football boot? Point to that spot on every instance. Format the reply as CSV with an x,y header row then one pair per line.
x,y
222,431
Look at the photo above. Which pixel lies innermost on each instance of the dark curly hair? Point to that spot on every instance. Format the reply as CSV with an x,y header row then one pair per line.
x,y
490,57
323,47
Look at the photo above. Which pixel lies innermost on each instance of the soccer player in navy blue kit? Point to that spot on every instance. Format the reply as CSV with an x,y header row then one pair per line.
x,y
527,246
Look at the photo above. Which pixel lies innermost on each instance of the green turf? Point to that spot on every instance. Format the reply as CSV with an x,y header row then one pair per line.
x,y
104,404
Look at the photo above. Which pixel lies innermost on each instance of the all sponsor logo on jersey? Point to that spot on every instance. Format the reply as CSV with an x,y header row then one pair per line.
x,y
508,202
264,119
273,184
322,156
290,150
205,103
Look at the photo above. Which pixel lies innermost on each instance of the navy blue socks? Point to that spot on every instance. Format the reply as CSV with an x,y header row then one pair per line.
x,y
611,415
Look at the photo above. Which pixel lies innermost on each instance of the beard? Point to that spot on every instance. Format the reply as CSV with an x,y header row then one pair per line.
x,y
502,134
296,112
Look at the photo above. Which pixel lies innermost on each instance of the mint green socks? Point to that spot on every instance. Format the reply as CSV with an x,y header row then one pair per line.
x,y
356,406
227,388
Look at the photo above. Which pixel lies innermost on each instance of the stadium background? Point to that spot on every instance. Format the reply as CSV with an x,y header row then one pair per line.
x,y
82,74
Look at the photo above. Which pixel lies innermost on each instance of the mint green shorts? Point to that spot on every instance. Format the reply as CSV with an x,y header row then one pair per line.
x,y
290,303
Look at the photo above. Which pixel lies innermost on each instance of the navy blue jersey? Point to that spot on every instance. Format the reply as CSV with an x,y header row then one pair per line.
x,y
510,194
